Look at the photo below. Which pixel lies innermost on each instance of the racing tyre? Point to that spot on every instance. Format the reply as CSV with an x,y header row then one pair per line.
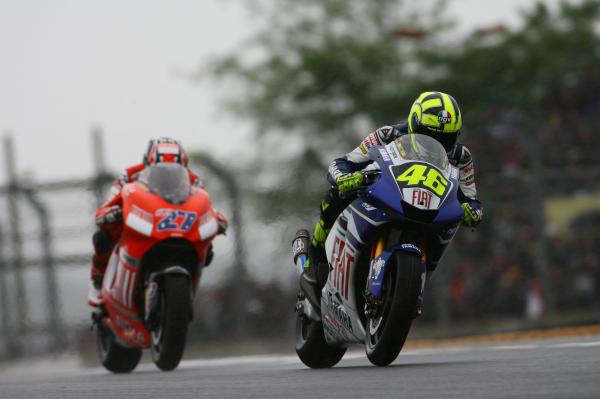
x,y
168,338
311,347
113,356
386,334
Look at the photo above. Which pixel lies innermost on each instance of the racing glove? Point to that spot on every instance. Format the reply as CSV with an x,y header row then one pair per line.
x,y
111,215
349,182
473,214
210,254
223,223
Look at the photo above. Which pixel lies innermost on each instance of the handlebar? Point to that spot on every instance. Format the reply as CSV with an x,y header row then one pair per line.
x,y
369,177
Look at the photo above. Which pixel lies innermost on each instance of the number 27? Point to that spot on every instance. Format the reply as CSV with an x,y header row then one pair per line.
x,y
177,220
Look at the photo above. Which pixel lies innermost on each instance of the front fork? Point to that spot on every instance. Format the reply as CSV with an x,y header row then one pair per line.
x,y
380,257
152,295
373,304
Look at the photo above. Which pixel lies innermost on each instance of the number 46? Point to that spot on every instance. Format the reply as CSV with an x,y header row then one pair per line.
x,y
423,175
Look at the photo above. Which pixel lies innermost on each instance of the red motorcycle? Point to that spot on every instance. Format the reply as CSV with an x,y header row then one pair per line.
x,y
154,271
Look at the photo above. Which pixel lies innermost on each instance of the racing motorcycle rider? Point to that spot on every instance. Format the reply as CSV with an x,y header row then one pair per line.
x,y
434,114
109,218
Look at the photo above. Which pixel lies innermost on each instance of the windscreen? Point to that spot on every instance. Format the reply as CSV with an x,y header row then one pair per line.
x,y
170,181
418,147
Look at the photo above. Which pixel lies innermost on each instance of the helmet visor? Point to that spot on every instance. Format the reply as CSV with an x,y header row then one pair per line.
x,y
447,140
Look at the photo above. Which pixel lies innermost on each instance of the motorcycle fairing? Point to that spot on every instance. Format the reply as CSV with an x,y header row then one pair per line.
x,y
119,284
380,264
380,204
140,234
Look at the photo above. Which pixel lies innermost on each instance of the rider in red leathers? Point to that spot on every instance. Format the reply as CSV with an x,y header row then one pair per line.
x,y
109,218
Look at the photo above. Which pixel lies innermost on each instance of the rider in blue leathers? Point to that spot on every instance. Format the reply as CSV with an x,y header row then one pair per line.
x,y
435,114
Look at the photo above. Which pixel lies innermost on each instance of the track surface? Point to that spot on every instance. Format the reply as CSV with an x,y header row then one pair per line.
x,y
557,368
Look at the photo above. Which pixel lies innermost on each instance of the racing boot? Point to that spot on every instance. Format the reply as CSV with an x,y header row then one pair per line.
x,y
103,246
309,277
95,292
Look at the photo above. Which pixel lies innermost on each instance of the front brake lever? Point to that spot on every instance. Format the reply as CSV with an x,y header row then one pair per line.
x,y
370,177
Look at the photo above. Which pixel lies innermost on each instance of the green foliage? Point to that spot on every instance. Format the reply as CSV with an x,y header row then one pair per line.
x,y
325,72
321,67
519,68
321,72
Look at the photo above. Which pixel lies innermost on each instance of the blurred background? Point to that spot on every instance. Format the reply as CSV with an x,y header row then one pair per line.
x,y
264,94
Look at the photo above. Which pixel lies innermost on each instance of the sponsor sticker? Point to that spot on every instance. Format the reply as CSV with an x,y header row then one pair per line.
x,y
384,133
377,268
422,198
373,139
411,246
444,117
368,207
298,246
454,173
384,154
340,320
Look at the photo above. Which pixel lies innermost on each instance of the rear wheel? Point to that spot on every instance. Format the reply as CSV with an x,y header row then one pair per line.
x,y
311,347
168,337
113,356
387,332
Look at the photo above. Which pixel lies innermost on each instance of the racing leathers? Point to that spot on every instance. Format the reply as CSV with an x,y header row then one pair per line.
x,y
342,176
109,220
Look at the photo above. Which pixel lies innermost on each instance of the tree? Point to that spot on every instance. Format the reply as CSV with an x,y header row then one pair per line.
x,y
520,68
322,73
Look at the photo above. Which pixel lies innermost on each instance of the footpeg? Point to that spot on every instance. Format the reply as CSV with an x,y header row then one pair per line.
x,y
97,315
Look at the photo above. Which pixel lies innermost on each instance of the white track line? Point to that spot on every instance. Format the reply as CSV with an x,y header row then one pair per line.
x,y
576,344
70,364
358,354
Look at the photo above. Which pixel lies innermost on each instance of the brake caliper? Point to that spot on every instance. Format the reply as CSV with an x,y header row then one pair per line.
x,y
373,305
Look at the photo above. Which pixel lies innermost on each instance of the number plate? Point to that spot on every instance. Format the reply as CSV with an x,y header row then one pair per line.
x,y
421,175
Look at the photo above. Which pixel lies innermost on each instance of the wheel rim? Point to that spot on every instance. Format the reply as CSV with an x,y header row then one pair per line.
x,y
104,341
377,325
157,333
374,325
302,330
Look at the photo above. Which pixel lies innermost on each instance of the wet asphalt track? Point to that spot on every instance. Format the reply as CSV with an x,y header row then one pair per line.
x,y
560,368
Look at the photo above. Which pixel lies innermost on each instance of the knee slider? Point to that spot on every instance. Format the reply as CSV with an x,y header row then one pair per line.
x,y
320,234
101,242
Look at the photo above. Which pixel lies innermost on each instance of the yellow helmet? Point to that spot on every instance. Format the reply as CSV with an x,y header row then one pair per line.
x,y
437,115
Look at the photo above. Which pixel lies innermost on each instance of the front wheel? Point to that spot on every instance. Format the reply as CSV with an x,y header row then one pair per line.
x,y
113,356
311,347
387,332
168,337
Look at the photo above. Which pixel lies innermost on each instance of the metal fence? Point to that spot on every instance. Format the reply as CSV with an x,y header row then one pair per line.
x,y
516,265
45,257
43,238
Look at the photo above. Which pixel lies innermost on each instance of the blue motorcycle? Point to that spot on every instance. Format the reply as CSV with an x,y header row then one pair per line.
x,y
377,254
